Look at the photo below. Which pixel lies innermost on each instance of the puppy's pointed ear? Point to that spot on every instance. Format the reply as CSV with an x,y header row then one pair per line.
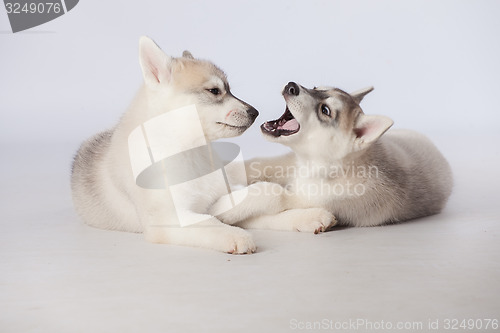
x,y
369,128
156,65
359,94
187,54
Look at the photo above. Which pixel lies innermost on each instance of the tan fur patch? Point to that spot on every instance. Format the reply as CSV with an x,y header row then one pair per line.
x,y
189,73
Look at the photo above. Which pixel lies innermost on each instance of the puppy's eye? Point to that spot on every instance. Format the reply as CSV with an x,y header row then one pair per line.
x,y
214,91
325,110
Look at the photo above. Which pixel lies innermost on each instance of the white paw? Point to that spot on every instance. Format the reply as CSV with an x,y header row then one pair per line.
x,y
237,241
314,220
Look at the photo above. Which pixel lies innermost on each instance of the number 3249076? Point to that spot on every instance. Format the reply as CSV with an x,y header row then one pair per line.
x,y
39,8
470,324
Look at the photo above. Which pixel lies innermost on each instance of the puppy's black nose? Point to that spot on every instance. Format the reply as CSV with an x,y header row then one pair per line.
x,y
253,113
292,89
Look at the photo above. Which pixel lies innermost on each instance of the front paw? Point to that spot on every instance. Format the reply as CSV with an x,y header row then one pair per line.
x,y
237,241
314,220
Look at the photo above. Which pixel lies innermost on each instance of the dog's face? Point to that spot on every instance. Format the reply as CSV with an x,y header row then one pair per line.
x,y
173,83
325,123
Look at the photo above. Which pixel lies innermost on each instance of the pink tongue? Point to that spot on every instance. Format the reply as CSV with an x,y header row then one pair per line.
x,y
291,125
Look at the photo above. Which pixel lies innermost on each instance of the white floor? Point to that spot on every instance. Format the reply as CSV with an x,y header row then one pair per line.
x,y
57,275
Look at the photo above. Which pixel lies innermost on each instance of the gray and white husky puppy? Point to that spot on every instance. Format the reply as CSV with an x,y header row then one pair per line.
x,y
344,163
105,193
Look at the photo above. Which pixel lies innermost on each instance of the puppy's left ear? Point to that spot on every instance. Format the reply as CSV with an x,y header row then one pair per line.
x,y
369,128
359,94
187,54
156,65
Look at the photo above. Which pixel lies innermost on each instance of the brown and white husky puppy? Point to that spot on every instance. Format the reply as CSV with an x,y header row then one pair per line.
x,y
104,188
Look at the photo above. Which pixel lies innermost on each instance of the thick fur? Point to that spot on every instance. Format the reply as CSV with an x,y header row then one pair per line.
x,y
104,191
392,177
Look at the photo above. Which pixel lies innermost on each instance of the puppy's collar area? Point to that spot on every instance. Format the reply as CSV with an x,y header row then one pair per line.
x,y
285,125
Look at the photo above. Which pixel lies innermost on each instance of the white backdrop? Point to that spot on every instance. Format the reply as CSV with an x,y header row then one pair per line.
x,y
434,64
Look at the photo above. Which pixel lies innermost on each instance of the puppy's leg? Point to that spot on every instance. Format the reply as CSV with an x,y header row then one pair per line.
x,y
210,233
161,221
305,220
259,199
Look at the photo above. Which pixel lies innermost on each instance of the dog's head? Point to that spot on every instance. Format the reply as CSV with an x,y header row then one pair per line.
x,y
172,83
325,122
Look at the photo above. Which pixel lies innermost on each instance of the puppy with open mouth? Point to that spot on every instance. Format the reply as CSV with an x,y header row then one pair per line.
x,y
344,162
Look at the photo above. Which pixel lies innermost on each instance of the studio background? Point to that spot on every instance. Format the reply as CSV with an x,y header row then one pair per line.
x,y
435,68
434,64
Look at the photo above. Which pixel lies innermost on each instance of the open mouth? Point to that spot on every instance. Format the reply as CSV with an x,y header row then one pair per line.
x,y
285,125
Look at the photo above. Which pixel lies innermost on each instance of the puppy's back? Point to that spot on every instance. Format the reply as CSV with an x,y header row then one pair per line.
x,y
415,165
96,199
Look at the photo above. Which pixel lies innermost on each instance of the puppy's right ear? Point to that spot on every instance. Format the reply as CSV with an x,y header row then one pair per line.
x,y
360,94
156,65
186,54
369,128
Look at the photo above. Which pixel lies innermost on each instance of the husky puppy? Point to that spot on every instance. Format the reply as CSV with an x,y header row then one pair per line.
x,y
104,192
343,162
